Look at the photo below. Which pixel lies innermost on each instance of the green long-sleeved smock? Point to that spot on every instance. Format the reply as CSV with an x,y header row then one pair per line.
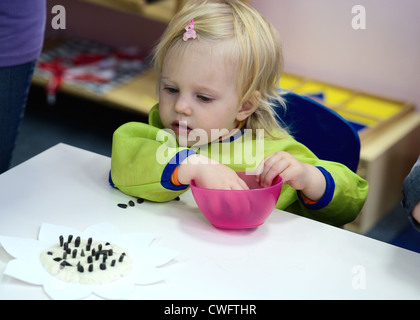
x,y
144,157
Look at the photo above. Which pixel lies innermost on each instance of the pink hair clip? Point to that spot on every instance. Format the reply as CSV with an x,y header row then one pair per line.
x,y
190,32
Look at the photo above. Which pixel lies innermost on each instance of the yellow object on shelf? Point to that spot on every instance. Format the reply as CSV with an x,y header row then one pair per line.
x,y
332,95
363,120
289,82
372,106
365,112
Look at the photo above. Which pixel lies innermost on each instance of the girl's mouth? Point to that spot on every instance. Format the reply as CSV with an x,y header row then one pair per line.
x,y
181,127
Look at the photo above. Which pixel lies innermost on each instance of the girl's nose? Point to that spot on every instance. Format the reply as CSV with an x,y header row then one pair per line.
x,y
183,106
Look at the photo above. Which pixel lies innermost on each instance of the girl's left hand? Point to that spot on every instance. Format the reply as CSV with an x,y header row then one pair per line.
x,y
300,176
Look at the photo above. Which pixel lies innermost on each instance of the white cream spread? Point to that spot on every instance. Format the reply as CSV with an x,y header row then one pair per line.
x,y
86,261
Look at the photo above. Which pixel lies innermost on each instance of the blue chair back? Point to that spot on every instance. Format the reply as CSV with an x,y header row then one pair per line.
x,y
321,129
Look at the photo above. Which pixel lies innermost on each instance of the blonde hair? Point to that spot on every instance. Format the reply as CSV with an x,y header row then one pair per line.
x,y
257,52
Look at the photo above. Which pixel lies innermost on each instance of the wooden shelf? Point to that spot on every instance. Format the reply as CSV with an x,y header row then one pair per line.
x,y
140,94
137,95
385,160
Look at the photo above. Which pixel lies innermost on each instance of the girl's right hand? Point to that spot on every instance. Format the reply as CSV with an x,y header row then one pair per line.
x,y
208,173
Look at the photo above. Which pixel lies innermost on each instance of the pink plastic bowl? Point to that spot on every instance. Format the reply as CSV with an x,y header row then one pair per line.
x,y
238,209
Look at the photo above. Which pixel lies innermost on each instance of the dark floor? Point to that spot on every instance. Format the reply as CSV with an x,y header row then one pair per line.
x,y
78,122
89,126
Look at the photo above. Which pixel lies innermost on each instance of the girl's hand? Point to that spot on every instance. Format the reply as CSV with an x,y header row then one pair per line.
x,y
300,176
208,173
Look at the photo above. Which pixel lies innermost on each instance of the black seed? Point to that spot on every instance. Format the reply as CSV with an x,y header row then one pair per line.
x,y
110,252
82,254
61,240
88,247
99,247
113,263
64,263
64,255
97,255
77,242
93,252
102,266
122,205
80,268
57,259
70,238
121,258
50,253
177,198
89,259
90,267
131,203
65,246
89,241
74,254
107,244
104,257
140,200
68,250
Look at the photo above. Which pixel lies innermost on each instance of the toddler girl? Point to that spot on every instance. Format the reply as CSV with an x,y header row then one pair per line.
x,y
220,63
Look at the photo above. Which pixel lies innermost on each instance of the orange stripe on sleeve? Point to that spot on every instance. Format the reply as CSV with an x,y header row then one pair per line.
x,y
174,177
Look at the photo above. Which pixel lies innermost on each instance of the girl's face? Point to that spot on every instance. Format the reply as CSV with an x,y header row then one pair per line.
x,y
198,92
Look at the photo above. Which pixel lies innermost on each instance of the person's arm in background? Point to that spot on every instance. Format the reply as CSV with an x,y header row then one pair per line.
x,y
411,195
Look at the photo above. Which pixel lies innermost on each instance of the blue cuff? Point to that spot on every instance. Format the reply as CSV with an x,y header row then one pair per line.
x,y
170,167
110,180
328,195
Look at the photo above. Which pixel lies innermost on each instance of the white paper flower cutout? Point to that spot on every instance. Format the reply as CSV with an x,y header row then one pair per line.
x,y
145,259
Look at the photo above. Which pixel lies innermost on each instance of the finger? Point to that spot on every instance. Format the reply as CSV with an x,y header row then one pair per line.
x,y
244,185
292,177
240,185
278,159
260,168
266,165
270,178
262,164
275,169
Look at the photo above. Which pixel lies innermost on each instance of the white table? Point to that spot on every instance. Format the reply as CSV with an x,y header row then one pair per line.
x,y
289,257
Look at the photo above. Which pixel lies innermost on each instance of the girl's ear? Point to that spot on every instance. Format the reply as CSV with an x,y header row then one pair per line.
x,y
248,107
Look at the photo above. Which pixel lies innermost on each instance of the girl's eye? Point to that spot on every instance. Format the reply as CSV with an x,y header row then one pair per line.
x,y
204,98
171,90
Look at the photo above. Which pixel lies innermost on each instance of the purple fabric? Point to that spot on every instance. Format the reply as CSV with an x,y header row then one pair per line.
x,y
22,26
